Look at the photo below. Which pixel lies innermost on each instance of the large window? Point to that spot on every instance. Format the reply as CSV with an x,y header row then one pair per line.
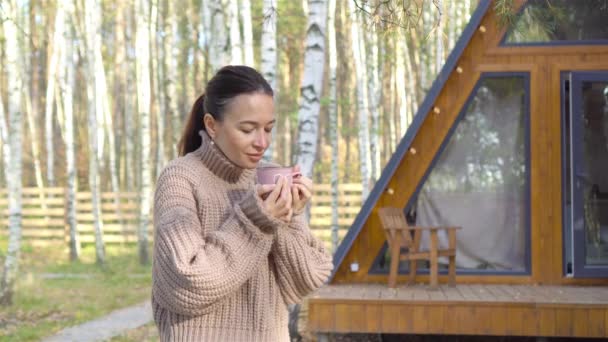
x,y
561,22
479,180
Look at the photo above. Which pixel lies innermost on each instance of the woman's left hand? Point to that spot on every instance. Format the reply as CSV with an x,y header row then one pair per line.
x,y
301,192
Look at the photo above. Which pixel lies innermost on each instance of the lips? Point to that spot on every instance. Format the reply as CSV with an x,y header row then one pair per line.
x,y
255,156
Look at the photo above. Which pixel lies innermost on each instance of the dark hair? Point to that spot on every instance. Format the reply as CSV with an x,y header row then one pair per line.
x,y
229,82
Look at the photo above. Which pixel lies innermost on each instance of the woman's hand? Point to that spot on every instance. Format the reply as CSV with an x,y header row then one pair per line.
x,y
277,199
301,191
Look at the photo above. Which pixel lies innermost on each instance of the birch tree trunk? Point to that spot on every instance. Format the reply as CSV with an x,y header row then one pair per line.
x,y
269,57
218,44
5,143
236,49
374,101
439,35
400,88
93,37
171,54
333,121
156,29
311,86
14,40
66,86
452,23
142,42
362,100
247,33
50,93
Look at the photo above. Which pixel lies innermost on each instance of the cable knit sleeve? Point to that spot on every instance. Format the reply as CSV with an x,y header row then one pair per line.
x,y
302,263
193,271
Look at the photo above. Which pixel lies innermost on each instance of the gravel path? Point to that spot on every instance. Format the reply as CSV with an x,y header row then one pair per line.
x,y
106,327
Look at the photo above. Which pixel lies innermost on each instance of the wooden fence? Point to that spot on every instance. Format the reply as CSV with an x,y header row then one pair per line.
x,y
44,214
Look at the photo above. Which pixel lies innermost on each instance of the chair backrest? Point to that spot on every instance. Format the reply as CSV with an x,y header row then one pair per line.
x,y
394,222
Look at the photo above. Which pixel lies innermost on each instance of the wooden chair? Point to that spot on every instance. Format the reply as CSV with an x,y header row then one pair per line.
x,y
399,235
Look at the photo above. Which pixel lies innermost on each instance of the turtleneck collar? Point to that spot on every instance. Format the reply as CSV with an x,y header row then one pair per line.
x,y
218,163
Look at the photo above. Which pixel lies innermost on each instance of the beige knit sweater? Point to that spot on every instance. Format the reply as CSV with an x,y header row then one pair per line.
x,y
224,270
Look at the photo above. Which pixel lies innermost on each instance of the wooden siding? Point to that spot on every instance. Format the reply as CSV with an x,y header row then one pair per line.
x,y
483,54
566,311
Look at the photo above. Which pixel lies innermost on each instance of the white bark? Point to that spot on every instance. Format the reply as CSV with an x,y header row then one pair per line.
x,y
362,99
66,86
218,44
438,35
4,142
50,92
247,33
452,23
402,94
156,32
171,54
333,121
95,104
374,83
142,42
14,90
236,48
311,86
269,55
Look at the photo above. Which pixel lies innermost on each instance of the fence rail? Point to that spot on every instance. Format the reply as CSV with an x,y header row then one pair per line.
x,y
44,214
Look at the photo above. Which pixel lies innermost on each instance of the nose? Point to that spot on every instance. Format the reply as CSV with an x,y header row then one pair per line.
x,y
261,140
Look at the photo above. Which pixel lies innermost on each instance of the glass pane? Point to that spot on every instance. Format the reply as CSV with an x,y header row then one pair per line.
x,y
594,177
544,21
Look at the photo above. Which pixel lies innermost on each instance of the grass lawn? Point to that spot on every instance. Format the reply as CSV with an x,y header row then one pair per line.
x,y
53,293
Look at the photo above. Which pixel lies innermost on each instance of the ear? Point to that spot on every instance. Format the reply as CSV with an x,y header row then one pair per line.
x,y
210,125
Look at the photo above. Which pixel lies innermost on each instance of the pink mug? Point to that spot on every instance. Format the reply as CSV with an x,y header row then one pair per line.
x,y
270,174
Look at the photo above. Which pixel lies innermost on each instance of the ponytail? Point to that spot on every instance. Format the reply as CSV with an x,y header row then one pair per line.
x,y
191,139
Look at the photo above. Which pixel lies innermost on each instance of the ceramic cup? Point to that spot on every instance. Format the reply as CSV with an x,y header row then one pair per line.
x,y
270,175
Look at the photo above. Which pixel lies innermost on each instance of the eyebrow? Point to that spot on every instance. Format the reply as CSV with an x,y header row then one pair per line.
x,y
254,123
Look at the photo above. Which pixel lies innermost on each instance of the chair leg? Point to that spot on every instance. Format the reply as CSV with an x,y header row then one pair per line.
x,y
434,257
395,256
452,270
414,263
452,265
411,280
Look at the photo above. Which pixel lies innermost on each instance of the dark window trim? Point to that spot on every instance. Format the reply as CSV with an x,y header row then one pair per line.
x,y
504,43
580,268
375,269
564,75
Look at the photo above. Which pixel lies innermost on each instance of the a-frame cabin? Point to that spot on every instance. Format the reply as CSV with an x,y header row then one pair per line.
x,y
511,144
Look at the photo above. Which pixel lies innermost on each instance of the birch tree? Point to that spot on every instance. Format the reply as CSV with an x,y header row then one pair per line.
x,y
218,41
142,43
93,39
269,55
5,142
247,33
333,120
14,40
235,33
157,32
311,86
362,100
438,35
50,93
171,55
66,86
373,84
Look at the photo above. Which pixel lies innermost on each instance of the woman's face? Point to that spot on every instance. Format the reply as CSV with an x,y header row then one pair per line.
x,y
244,133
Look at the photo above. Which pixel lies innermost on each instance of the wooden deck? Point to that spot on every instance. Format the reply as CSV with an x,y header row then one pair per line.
x,y
514,310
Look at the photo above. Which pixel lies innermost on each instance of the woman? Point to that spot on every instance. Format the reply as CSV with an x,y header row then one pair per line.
x,y
226,261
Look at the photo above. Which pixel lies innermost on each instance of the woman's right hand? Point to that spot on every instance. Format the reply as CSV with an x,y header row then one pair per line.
x,y
277,199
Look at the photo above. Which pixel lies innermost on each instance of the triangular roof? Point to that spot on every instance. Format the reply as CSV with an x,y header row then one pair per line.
x,y
405,143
